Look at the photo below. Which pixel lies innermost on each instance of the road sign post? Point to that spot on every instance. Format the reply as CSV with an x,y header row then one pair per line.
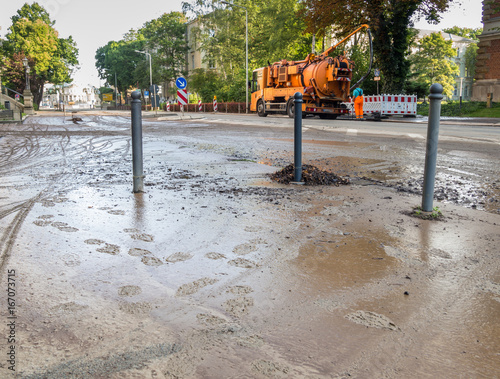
x,y
181,84
182,98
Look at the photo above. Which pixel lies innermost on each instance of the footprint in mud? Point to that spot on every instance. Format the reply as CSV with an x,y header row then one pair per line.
x,y
240,290
193,287
215,256
210,320
142,237
71,260
45,217
253,229
135,308
129,290
179,257
251,341
439,253
151,261
42,222
270,369
116,212
238,307
109,249
245,248
51,202
93,241
372,320
131,230
137,252
62,226
242,263
69,307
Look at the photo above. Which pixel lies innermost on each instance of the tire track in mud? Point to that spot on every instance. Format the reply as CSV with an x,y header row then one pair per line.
x,y
32,148
9,237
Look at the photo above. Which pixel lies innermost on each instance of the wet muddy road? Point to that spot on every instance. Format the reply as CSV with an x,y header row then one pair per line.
x,y
216,272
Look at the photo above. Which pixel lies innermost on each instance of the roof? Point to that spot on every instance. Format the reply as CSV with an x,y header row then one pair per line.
x,y
447,36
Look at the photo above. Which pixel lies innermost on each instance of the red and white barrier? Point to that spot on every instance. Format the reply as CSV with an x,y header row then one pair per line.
x,y
199,105
388,105
168,106
215,104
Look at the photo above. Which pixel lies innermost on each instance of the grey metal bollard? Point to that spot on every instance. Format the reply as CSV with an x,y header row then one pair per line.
x,y
137,142
432,144
297,134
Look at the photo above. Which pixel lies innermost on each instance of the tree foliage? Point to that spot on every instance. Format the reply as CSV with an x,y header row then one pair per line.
x,y
210,83
471,51
51,58
274,33
163,38
471,59
166,38
465,32
117,61
432,62
390,22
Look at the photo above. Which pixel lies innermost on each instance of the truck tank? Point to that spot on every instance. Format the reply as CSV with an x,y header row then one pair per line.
x,y
324,81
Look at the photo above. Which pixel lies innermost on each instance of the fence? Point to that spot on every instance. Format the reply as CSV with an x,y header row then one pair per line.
x,y
387,105
209,107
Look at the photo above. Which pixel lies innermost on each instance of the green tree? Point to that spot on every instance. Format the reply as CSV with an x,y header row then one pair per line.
x,y
465,32
390,22
210,83
50,57
471,59
432,62
274,33
471,51
165,38
118,61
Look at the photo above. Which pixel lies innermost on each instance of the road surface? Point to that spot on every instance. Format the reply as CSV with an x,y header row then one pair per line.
x,y
217,272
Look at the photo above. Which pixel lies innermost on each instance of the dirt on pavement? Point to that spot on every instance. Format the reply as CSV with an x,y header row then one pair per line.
x,y
218,272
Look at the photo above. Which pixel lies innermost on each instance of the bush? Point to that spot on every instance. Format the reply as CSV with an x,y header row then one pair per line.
x,y
468,108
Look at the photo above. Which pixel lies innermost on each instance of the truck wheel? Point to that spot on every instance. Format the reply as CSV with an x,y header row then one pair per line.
x,y
260,109
290,108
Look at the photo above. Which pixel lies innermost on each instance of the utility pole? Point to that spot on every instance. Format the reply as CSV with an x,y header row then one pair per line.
x,y
116,94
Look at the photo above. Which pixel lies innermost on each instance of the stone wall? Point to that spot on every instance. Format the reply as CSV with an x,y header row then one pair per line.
x,y
16,106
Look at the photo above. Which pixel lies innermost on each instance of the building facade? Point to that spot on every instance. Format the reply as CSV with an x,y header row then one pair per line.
x,y
488,55
71,95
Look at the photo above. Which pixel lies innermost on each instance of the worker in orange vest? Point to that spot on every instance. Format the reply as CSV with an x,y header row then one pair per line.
x,y
358,102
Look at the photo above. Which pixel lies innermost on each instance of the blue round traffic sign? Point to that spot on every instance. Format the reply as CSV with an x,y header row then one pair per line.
x,y
181,83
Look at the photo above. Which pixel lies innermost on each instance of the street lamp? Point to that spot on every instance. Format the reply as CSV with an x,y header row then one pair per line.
x,y
246,40
150,73
27,69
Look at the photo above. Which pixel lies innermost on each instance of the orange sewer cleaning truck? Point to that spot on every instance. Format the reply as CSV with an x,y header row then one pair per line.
x,y
325,83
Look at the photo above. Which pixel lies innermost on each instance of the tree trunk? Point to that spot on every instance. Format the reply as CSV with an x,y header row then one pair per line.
x,y
391,33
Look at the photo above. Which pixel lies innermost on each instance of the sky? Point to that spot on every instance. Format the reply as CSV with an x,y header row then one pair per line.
x,y
93,23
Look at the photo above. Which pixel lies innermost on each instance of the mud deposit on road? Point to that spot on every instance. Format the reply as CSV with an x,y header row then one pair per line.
x,y
217,271
310,175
